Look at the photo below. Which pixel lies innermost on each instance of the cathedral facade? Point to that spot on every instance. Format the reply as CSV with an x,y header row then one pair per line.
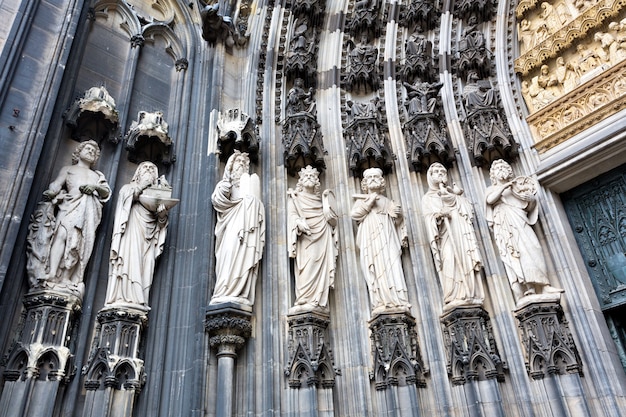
x,y
313,208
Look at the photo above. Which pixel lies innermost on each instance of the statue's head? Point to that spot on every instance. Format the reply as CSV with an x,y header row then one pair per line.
x,y
373,180
88,143
238,164
437,174
309,177
146,173
500,170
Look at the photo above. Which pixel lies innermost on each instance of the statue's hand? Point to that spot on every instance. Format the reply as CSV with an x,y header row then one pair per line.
x,y
303,227
87,189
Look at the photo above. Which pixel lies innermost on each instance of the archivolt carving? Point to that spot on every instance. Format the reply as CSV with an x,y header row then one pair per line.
x,y
563,38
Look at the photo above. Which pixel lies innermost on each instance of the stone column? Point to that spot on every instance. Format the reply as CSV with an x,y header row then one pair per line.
x,y
114,373
228,326
40,360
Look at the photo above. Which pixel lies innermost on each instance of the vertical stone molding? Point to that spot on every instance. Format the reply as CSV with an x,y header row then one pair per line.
x,y
114,374
397,360
40,360
470,345
547,341
311,361
228,326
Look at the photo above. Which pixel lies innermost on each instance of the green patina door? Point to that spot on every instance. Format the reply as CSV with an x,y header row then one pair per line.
x,y
597,214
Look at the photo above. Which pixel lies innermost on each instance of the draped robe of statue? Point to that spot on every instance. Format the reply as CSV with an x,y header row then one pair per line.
x,y
240,239
380,254
138,238
512,219
315,253
454,247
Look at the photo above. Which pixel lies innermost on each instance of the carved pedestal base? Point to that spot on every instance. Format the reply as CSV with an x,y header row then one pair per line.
x,y
548,343
471,348
114,373
310,357
395,348
40,359
228,326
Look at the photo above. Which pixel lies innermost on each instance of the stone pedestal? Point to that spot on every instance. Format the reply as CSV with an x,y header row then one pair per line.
x,y
310,356
40,360
470,345
397,360
228,326
547,340
114,373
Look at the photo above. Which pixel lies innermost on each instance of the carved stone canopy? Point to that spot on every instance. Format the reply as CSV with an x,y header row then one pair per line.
x,y
148,139
482,9
236,130
93,116
302,142
421,14
313,9
427,143
365,18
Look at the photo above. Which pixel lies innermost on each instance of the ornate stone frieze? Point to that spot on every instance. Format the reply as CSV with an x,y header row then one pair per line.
x,y
547,341
93,116
395,348
237,130
366,136
310,356
421,14
114,361
574,112
41,348
544,43
470,346
148,139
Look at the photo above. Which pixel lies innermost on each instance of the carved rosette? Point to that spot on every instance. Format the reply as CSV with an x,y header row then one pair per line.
x,y
236,130
148,139
547,340
395,348
470,345
93,116
228,327
310,356
41,349
114,361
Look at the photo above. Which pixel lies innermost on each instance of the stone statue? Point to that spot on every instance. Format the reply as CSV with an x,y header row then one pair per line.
x,y
299,100
139,230
239,232
362,70
63,230
449,224
380,239
312,240
511,211
422,97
